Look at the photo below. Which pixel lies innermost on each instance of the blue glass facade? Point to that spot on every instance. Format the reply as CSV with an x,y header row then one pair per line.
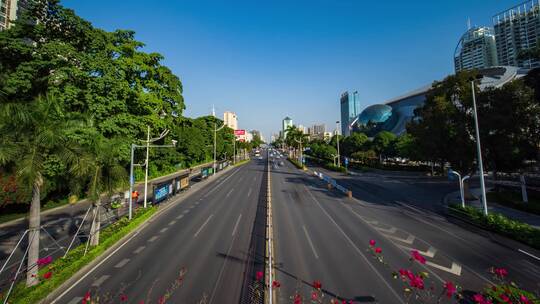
x,y
350,109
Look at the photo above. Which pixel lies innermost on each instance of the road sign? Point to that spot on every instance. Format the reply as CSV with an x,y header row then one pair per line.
x,y
346,161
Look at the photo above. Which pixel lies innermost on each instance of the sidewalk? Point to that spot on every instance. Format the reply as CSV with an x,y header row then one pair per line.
x,y
529,218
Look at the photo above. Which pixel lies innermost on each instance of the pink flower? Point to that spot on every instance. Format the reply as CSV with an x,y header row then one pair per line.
x,y
478,298
416,282
86,298
418,257
123,298
501,272
259,275
317,284
314,296
297,299
450,289
378,250
523,299
47,275
372,243
505,298
44,261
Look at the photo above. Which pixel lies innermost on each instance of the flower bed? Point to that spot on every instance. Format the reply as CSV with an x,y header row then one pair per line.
x,y
53,273
499,223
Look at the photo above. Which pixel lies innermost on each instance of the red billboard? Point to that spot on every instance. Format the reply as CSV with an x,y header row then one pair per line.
x,y
239,132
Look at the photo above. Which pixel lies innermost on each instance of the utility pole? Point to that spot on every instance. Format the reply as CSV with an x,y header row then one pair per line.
x,y
146,166
337,138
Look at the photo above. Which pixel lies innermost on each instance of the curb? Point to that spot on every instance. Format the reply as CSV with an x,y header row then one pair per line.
x,y
73,280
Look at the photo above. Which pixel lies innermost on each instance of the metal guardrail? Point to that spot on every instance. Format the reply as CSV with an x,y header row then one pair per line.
x,y
333,183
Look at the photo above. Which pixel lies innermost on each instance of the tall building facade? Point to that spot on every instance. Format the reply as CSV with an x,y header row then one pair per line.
x,y
286,123
517,29
350,108
231,120
8,13
476,50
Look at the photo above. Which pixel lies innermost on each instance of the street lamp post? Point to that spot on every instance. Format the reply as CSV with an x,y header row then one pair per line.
x,y
337,144
461,182
234,150
215,140
479,152
148,141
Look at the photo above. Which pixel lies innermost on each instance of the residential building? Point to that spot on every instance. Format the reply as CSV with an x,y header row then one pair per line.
x,y
327,136
476,49
517,29
286,123
350,108
8,13
231,120
317,131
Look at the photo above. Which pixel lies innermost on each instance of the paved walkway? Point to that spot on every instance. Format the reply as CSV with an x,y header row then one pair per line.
x,y
529,218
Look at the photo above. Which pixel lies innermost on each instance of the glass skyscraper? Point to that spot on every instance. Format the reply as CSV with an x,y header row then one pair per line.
x,y
350,108
476,50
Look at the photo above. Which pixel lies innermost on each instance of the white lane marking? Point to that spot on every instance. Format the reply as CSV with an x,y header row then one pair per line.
x,y
529,254
390,230
229,193
185,211
409,240
76,300
163,230
220,183
100,281
200,229
180,216
191,207
138,250
236,225
121,263
172,223
429,253
455,269
310,242
152,238
249,192
197,202
353,245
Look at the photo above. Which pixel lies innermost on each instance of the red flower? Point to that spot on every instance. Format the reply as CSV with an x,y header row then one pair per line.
x,y
314,296
276,284
161,300
505,298
417,256
44,261
297,299
259,275
317,284
450,289
501,272
123,298
86,298
523,299
478,298
47,275
416,282
372,243
378,250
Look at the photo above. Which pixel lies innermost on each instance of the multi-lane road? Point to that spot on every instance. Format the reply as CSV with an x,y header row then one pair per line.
x,y
208,245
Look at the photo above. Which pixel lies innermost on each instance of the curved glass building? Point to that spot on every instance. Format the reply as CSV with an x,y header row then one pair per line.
x,y
378,113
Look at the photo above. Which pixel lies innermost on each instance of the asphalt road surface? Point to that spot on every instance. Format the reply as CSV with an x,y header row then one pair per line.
x,y
194,251
322,235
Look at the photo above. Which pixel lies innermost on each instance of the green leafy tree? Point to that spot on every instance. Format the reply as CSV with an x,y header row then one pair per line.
x,y
355,142
405,147
383,143
443,128
32,132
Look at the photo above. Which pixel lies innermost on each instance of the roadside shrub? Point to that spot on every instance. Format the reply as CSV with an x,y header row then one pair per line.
x,y
499,223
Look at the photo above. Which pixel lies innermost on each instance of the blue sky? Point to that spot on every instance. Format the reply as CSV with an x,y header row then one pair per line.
x,y
266,60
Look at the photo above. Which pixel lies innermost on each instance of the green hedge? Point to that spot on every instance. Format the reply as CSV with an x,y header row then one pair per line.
x,y
63,268
499,223
330,166
296,163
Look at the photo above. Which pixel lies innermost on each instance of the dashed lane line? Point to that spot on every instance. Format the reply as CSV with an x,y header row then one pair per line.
x,y
153,238
186,211
390,230
180,216
310,242
454,269
76,300
163,230
100,281
236,225
249,192
204,224
122,263
409,240
138,250
229,193
172,223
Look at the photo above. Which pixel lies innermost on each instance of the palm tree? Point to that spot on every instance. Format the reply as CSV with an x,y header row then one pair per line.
x,y
102,172
31,132
295,137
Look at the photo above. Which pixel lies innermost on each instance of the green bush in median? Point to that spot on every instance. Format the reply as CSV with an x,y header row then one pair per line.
x,y
63,268
499,223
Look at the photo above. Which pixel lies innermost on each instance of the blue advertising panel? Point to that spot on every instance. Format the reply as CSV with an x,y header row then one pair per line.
x,y
161,192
